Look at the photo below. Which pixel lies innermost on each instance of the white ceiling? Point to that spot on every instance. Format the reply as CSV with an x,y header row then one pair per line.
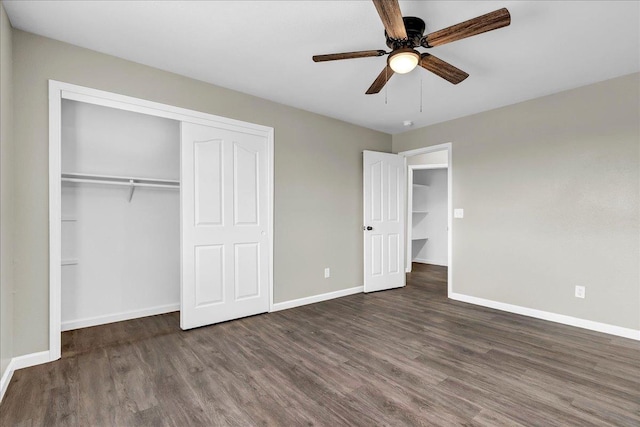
x,y
264,48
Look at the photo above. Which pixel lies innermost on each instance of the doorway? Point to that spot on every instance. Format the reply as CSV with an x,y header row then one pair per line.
x,y
429,212
427,224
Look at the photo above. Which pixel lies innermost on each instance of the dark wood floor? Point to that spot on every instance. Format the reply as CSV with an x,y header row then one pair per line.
x,y
400,357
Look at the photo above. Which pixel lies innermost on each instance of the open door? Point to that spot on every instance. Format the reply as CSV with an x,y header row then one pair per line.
x,y
384,190
224,220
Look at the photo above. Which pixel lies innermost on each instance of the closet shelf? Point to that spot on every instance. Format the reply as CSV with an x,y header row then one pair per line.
x,y
421,212
127,181
69,262
120,180
420,186
419,238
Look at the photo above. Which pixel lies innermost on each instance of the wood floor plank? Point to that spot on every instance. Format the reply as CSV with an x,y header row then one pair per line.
x,y
489,418
178,404
133,388
62,407
96,380
408,356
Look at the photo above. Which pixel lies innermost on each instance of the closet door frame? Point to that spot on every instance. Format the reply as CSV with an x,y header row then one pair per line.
x,y
59,91
448,146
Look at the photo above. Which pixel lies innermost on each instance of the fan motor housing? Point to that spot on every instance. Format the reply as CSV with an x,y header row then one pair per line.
x,y
415,29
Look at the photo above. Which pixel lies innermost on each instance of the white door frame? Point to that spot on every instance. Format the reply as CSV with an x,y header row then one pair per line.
x,y
59,91
408,253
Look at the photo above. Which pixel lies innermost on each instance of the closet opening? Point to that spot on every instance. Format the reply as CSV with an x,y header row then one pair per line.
x,y
155,209
428,202
429,213
120,222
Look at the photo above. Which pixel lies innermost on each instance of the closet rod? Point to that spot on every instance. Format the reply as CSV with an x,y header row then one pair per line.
x,y
123,181
119,180
126,183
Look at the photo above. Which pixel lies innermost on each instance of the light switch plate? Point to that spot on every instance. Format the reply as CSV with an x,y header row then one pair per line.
x,y
458,213
327,273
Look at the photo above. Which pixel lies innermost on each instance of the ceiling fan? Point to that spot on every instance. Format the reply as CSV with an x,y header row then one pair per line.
x,y
405,34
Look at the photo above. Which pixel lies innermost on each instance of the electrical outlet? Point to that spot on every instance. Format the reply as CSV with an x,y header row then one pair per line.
x,y
458,213
327,273
580,291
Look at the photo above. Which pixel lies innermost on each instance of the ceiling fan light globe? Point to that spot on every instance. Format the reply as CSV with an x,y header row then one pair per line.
x,y
404,60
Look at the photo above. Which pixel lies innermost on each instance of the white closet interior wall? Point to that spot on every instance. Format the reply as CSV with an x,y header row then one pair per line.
x,y
121,258
432,225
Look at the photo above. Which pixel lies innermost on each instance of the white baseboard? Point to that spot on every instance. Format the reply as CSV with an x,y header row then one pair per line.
x,y
316,298
442,262
118,317
6,378
20,362
552,317
31,359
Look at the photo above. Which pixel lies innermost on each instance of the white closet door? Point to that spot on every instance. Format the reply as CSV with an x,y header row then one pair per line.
x,y
225,248
384,183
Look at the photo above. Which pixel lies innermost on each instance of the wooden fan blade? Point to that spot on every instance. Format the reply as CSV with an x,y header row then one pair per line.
x,y
491,21
380,81
348,55
391,17
443,69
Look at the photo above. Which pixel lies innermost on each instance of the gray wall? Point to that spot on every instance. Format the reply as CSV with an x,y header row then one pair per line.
x,y
551,191
318,173
6,193
435,158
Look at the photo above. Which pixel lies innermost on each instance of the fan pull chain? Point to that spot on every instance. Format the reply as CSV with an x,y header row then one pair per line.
x,y
386,78
421,95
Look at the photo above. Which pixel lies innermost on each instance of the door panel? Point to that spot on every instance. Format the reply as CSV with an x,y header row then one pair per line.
x,y
246,184
225,244
209,275
376,254
394,194
376,191
208,182
384,181
247,274
394,253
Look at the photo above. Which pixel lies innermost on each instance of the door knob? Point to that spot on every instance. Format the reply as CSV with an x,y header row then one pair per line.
x,y
367,228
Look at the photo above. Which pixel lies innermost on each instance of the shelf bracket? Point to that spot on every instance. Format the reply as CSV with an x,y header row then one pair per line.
x,y
132,188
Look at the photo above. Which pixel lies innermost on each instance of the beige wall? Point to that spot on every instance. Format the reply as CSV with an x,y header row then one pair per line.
x,y
435,158
318,173
6,193
550,189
